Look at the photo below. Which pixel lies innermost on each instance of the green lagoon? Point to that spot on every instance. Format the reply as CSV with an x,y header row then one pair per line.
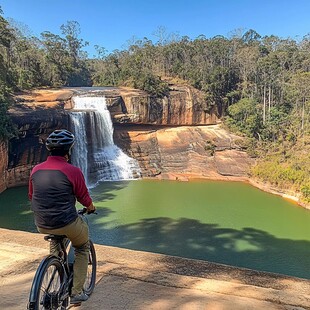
x,y
225,222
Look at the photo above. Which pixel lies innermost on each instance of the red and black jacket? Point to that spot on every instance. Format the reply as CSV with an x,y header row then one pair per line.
x,y
54,187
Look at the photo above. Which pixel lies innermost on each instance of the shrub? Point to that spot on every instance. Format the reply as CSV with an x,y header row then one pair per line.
x,y
152,84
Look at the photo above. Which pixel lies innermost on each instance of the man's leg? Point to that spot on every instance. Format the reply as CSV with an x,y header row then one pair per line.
x,y
55,247
80,268
77,232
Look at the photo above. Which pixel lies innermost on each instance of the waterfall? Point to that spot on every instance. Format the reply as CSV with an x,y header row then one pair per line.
x,y
94,151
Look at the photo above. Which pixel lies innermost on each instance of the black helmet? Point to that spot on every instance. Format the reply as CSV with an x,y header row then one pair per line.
x,y
60,139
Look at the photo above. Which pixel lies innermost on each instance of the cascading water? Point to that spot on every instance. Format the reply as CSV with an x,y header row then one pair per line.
x,y
94,151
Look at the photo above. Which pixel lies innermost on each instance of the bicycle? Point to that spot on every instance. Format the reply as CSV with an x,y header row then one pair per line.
x,y
52,283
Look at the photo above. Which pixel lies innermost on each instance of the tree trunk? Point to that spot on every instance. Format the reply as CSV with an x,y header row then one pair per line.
x,y
303,115
264,107
269,101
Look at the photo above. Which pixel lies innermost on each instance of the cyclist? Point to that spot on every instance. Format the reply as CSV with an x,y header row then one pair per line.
x,y
54,187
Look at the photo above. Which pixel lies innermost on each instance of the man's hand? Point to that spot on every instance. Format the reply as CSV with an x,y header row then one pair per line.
x,y
91,208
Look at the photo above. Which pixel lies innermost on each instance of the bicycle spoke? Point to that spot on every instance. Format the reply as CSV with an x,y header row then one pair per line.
x,y
50,285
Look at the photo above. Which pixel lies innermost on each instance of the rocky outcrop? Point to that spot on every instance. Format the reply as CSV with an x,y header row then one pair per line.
x,y
184,106
184,152
35,115
28,148
143,129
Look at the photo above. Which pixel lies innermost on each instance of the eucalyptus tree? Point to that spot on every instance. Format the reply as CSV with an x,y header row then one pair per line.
x,y
6,39
112,73
27,57
222,79
304,48
65,59
7,81
269,72
78,73
246,58
97,65
71,30
300,92
56,56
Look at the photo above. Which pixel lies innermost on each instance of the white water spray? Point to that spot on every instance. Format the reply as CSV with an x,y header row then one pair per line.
x,y
94,151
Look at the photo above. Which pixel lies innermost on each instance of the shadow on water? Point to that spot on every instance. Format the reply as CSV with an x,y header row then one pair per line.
x,y
182,237
104,191
248,247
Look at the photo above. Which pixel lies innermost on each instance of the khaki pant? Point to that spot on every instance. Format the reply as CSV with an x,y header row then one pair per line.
x,y
77,233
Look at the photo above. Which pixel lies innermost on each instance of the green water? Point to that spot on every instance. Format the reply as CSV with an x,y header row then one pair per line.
x,y
226,222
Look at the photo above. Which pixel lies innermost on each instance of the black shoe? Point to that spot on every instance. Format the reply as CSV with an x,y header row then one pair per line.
x,y
78,298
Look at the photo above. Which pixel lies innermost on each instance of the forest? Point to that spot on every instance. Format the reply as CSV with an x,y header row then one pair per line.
x,y
259,84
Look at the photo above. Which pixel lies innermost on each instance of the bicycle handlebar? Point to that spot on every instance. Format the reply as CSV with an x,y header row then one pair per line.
x,y
84,210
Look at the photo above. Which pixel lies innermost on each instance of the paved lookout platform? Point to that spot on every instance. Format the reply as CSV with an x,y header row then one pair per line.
x,y
133,280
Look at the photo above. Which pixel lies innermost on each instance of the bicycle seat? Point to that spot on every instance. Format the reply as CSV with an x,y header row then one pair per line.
x,y
54,237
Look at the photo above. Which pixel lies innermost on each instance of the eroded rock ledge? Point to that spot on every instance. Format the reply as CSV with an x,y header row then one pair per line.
x,y
169,137
172,138
185,152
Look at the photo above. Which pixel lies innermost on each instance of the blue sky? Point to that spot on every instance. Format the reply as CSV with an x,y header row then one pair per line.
x,y
112,24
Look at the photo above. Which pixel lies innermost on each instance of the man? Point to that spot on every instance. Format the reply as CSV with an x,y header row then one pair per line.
x,y
54,187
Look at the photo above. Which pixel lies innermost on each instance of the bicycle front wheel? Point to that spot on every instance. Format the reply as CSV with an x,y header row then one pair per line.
x,y
90,281
47,285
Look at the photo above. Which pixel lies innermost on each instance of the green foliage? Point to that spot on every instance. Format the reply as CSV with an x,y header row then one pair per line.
x,y
305,190
276,126
244,117
259,86
6,126
287,167
152,84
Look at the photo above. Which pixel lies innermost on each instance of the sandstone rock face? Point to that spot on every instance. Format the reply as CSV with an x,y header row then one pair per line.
x,y
28,148
143,129
184,152
183,106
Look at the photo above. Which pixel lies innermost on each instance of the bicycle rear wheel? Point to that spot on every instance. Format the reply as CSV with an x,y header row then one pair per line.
x,y
47,286
90,281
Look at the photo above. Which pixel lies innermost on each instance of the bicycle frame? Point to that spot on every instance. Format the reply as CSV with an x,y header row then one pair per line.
x,y
63,270
65,257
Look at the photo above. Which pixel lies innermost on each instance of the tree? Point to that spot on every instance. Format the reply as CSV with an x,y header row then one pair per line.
x,y
56,56
269,71
78,73
6,39
300,92
245,117
251,36
71,30
64,57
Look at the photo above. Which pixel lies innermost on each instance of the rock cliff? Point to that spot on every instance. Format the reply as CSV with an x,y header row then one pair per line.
x,y
184,152
184,106
162,134
28,148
